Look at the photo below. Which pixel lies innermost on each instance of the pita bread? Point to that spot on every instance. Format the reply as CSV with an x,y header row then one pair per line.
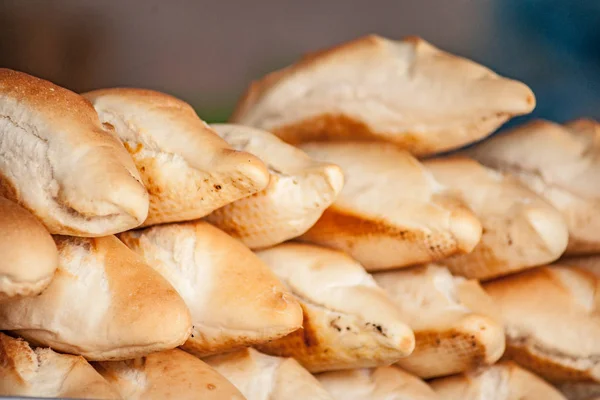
x,y
504,381
299,190
262,377
104,303
532,302
349,322
408,92
188,170
558,162
234,298
457,327
520,229
391,212
61,164
43,373
169,374
382,383
24,272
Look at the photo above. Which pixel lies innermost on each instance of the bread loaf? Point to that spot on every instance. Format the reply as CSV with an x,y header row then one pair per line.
x,y
58,161
24,272
234,298
188,170
408,92
299,190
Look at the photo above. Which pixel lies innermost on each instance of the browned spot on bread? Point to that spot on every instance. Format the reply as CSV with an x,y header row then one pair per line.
x,y
546,367
481,263
210,386
133,150
332,127
343,230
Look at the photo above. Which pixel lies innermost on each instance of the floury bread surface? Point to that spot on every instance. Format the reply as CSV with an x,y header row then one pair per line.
x,y
349,322
552,321
104,303
40,372
262,377
559,162
58,161
187,168
299,190
382,383
391,212
372,88
24,272
457,326
170,374
234,298
520,229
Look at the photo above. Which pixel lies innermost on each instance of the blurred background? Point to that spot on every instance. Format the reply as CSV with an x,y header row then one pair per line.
x,y
206,52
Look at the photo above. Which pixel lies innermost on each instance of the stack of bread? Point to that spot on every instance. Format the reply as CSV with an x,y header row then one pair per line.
x,y
315,247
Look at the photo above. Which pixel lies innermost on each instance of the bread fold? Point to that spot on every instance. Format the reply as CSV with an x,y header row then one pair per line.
x,y
59,162
520,229
187,168
560,163
503,381
408,92
233,297
349,322
552,321
104,303
382,383
391,212
262,377
457,326
24,272
169,374
40,372
299,190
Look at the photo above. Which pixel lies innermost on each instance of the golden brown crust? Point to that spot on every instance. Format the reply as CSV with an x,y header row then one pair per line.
x,y
24,272
344,230
411,62
169,374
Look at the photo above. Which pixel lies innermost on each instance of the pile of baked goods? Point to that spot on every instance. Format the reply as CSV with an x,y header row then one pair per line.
x,y
318,246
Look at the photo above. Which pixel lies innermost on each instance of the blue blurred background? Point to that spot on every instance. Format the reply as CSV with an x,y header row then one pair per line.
x,y
207,52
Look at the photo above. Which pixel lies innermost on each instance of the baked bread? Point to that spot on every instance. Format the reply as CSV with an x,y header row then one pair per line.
x,y
552,321
558,162
24,272
349,322
520,229
41,372
188,170
409,92
104,303
457,327
60,163
299,190
391,212
382,383
234,298
503,381
169,374
262,377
